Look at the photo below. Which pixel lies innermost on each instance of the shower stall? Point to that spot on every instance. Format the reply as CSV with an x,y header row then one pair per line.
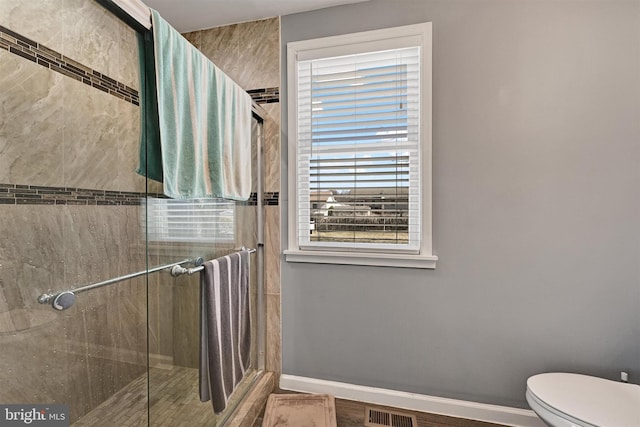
x,y
74,214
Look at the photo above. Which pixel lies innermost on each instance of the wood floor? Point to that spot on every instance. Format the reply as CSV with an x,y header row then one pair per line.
x,y
351,414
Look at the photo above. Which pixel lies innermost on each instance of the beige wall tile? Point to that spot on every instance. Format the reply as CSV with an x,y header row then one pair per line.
x,y
57,131
98,39
79,29
272,147
40,21
31,117
229,47
260,41
273,349
222,46
272,249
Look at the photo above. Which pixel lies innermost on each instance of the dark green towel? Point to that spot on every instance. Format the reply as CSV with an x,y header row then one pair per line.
x,y
150,164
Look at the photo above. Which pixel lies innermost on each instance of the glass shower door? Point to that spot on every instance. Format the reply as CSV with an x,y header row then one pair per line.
x,y
179,229
70,209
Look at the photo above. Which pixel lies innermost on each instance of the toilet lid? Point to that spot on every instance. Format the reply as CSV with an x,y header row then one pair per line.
x,y
593,400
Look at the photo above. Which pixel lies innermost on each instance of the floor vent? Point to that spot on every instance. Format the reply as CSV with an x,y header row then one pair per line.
x,y
376,418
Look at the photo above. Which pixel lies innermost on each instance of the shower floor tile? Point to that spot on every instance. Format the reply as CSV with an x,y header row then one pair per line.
x,y
173,401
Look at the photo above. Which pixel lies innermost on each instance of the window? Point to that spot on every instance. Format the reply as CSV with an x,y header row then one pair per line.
x,y
205,220
360,148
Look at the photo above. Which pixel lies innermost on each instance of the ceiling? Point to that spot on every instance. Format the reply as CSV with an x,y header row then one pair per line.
x,y
191,15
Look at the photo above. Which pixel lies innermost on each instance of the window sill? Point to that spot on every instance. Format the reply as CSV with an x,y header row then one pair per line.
x,y
361,258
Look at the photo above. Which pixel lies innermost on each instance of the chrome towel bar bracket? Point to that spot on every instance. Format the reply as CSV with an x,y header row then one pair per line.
x,y
178,270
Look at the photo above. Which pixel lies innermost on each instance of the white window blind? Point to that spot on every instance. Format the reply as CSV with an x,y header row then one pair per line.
x,y
203,220
358,133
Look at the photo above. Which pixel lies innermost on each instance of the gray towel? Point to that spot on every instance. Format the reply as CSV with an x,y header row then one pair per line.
x,y
225,328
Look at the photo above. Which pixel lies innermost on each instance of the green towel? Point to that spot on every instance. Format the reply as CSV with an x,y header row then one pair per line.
x,y
150,164
204,122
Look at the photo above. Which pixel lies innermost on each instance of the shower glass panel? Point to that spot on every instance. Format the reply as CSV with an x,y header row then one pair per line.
x,y
70,208
179,229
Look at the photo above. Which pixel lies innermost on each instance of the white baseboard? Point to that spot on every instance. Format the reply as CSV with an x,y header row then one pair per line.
x,y
414,402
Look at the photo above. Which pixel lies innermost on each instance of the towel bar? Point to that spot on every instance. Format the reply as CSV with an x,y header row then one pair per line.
x,y
65,299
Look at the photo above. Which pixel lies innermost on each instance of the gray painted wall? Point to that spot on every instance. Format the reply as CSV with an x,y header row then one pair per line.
x,y
536,143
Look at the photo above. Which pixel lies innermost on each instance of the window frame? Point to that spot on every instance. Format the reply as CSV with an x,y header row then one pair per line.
x,y
368,41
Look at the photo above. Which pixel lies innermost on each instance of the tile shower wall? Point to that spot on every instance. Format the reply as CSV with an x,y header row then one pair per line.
x,y
68,216
249,53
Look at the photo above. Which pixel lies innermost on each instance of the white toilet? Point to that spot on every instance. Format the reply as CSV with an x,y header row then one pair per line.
x,y
572,400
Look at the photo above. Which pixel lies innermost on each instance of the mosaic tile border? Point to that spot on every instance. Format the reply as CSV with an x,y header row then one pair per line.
x,y
271,198
49,58
265,95
16,194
